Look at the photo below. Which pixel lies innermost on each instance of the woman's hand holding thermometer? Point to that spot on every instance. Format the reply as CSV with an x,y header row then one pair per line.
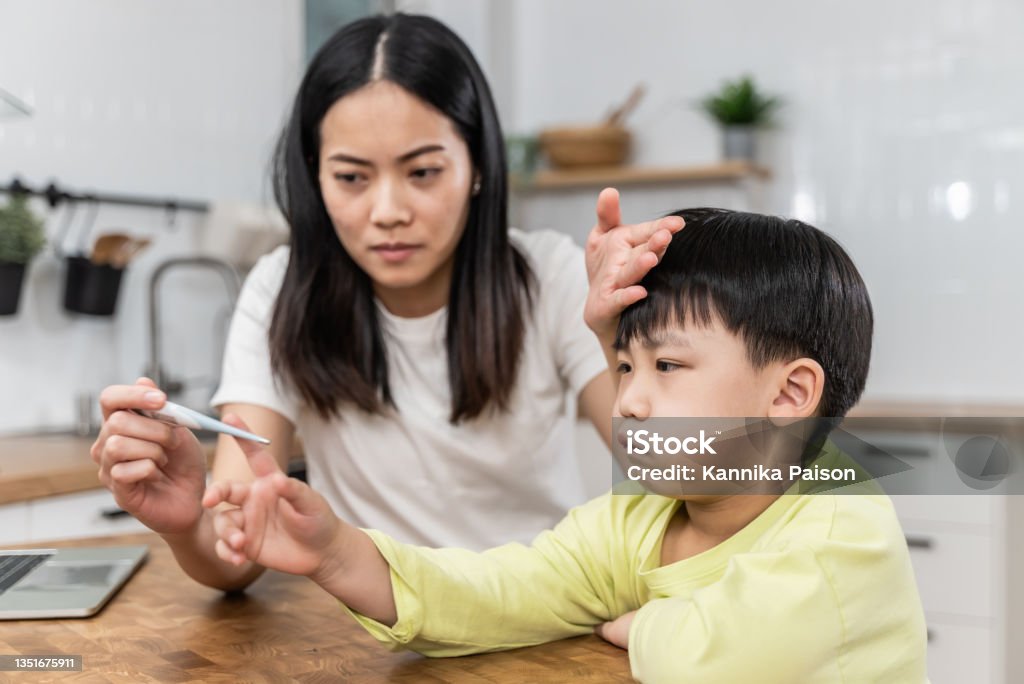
x,y
155,470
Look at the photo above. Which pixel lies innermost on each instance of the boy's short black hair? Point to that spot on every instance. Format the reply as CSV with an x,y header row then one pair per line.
x,y
785,288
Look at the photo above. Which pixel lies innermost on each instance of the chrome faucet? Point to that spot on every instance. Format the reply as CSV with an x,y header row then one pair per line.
x,y
232,284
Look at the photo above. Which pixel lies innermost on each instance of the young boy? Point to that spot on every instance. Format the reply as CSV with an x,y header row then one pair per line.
x,y
747,316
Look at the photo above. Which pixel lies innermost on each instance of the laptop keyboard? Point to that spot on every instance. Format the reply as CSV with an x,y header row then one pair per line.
x,y
15,566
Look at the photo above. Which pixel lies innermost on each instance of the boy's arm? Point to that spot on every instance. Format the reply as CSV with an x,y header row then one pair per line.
x,y
453,602
841,610
279,522
773,617
435,601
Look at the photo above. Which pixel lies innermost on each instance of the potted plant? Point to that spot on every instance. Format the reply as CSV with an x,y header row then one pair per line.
x,y
740,108
21,238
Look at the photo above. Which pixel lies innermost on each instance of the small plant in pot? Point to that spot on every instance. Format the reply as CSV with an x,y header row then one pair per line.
x,y
740,109
21,238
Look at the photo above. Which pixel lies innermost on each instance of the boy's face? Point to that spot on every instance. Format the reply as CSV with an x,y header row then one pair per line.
x,y
694,371
697,371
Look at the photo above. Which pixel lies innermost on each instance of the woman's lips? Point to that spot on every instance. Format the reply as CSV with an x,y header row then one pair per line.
x,y
395,252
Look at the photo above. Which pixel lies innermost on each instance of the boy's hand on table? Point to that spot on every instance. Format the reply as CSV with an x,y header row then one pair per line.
x,y
617,631
279,522
618,257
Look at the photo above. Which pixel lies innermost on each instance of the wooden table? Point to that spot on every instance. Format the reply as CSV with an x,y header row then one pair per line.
x,y
164,627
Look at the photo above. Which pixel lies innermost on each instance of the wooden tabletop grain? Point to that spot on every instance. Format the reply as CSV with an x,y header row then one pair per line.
x,y
164,627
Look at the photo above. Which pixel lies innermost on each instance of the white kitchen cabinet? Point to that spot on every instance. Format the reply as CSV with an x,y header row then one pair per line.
x,y
965,557
68,516
14,523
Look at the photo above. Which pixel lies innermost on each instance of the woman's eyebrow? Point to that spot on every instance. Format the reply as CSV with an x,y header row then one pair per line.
x,y
342,157
420,150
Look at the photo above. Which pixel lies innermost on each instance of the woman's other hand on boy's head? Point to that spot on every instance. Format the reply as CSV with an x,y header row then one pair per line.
x,y
618,257
617,631
276,521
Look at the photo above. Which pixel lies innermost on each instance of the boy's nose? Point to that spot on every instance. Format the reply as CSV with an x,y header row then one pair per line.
x,y
633,400
390,207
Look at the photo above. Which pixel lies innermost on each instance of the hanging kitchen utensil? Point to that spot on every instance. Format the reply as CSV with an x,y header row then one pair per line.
x,y
127,251
107,246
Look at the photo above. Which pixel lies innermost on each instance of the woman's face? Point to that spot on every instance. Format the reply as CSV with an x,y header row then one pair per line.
x,y
396,179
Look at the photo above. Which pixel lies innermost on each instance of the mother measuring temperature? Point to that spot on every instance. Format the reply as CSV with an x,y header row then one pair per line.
x,y
421,349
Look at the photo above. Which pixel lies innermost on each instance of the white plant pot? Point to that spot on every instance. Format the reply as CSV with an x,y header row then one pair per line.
x,y
739,143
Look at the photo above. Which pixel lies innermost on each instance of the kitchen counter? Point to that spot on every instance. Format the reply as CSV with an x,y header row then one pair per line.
x,y
941,409
36,466
1006,419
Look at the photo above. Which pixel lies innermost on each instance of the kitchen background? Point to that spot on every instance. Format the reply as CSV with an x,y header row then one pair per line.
x,y
901,133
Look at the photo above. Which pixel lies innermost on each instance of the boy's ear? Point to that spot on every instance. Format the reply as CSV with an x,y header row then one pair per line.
x,y
800,386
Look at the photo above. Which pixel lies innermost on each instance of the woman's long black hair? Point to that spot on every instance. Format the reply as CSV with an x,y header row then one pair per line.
x,y
325,335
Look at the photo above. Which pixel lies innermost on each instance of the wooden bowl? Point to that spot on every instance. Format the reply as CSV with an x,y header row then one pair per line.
x,y
584,146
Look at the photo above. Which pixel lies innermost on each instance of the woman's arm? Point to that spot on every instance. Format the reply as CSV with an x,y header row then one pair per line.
x,y
618,257
194,550
595,403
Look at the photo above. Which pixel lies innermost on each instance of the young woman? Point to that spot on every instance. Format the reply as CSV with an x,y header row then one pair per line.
x,y
422,350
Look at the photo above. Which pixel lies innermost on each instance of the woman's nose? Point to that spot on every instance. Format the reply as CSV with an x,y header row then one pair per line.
x,y
390,205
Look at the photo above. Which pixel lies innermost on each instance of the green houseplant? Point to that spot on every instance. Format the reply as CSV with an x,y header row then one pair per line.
x,y
21,238
739,107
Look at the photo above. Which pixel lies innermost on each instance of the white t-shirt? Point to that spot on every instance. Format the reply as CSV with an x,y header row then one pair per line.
x,y
409,472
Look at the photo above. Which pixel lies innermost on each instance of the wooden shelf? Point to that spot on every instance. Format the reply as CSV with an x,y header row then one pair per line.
x,y
636,175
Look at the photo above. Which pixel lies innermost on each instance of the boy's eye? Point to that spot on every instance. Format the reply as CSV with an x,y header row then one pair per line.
x,y
666,366
426,172
623,368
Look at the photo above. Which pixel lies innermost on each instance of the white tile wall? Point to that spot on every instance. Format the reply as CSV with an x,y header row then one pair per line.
x,y
902,135
178,99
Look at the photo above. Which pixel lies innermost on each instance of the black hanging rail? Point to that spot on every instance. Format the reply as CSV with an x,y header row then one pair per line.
x,y
55,195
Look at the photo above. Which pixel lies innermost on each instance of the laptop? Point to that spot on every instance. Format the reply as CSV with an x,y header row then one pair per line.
x,y
63,583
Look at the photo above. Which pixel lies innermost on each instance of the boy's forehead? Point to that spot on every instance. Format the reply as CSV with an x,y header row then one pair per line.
x,y
677,336
680,331
671,336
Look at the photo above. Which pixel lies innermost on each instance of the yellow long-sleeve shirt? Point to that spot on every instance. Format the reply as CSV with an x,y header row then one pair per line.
x,y
818,588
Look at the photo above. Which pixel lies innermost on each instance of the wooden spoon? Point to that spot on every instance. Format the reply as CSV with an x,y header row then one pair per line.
x,y
107,246
128,250
617,116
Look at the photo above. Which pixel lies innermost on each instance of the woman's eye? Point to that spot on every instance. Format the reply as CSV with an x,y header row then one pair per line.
x,y
427,172
666,366
348,178
623,368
